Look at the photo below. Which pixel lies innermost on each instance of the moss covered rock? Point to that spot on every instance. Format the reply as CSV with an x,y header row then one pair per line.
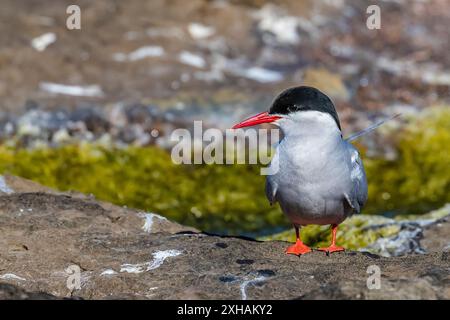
x,y
372,233
418,179
217,198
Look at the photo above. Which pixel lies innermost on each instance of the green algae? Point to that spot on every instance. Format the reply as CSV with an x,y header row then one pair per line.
x,y
418,179
221,198
354,233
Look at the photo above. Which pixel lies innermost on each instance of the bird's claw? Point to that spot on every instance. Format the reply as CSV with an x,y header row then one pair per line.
x,y
298,249
331,249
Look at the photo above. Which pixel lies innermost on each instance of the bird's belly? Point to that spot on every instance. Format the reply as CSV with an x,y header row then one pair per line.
x,y
314,211
312,179
313,205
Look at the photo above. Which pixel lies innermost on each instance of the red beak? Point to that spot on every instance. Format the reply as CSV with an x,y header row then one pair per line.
x,y
262,117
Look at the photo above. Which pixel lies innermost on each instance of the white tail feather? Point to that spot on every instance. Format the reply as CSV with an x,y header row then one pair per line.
x,y
371,128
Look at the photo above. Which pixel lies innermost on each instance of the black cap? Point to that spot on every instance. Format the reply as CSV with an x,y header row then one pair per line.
x,y
304,98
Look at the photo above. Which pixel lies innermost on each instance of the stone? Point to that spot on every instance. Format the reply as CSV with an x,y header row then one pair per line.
x,y
55,245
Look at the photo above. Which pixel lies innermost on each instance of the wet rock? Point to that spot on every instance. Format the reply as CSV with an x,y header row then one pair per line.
x,y
74,246
11,184
436,236
406,241
118,125
12,292
427,233
93,118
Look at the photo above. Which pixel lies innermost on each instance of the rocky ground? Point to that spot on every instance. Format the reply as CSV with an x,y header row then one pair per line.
x,y
46,236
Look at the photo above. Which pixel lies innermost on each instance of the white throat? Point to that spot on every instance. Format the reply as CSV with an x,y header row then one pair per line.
x,y
308,123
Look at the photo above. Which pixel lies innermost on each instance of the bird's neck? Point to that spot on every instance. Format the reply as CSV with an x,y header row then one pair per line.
x,y
311,130
309,147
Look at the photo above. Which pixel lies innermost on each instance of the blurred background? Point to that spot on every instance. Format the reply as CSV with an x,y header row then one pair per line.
x,y
92,110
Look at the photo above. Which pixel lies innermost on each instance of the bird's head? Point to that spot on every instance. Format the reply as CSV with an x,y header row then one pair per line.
x,y
299,108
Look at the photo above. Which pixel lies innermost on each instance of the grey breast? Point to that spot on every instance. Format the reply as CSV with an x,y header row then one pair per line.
x,y
319,181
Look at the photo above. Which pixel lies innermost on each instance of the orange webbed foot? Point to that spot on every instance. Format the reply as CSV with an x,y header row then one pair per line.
x,y
298,249
331,249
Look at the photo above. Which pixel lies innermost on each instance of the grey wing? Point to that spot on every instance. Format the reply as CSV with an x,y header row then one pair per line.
x,y
271,189
271,178
358,195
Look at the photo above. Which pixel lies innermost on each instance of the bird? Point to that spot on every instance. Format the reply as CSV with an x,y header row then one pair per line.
x,y
317,176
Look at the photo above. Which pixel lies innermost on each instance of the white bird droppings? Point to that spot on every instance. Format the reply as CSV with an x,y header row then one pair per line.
x,y
249,282
149,219
260,74
11,276
86,91
140,53
132,268
192,59
108,272
42,42
4,186
160,256
200,31
158,260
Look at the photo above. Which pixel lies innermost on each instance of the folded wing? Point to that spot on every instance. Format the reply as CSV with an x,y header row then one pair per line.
x,y
358,195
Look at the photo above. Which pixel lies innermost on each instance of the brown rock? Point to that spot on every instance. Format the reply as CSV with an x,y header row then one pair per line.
x,y
71,247
436,237
11,292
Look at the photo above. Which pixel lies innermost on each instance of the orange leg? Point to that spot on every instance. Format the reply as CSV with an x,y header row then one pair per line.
x,y
299,247
333,247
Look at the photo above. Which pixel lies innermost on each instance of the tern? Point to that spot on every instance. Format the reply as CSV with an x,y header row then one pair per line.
x,y
317,176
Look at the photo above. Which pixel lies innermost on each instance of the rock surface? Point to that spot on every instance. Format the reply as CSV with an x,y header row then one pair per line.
x,y
47,237
429,233
437,236
12,292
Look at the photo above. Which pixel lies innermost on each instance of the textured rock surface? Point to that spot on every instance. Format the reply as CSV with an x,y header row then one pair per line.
x,y
123,253
9,291
418,234
437,236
